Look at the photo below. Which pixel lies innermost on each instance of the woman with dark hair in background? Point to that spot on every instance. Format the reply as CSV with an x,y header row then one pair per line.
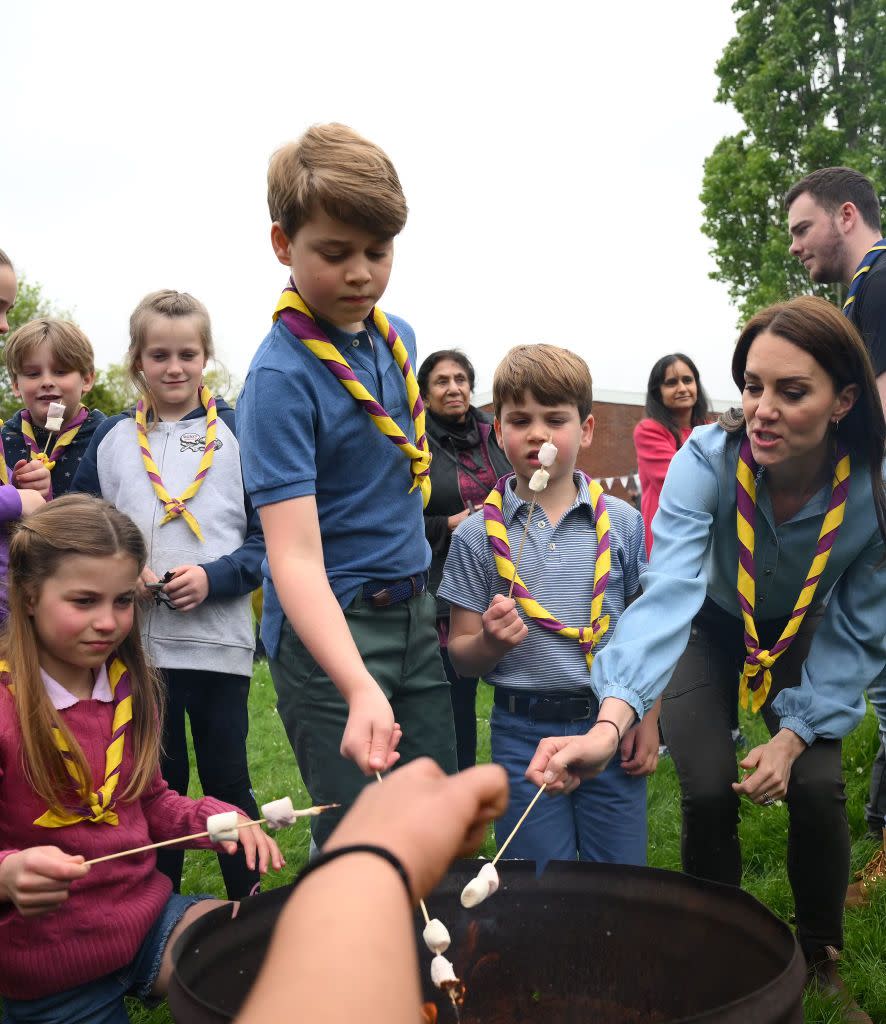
x,y
675,403
467,462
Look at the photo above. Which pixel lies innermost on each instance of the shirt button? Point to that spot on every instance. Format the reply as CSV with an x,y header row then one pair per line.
x,y
552,547
356,342
542,525
768,572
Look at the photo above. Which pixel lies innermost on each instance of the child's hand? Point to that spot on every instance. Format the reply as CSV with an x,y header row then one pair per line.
x,y
32,476
371,735
564,762
37,880
258,846
148,576
639,748
502,624
31,501
188,588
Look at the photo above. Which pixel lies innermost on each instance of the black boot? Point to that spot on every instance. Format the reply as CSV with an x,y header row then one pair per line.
x,y
824,975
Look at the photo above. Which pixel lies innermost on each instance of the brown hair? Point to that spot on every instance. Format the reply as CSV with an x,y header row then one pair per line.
x,y
5,261
554,376
830,187
165,302
821,330
75,524
333,168
69,345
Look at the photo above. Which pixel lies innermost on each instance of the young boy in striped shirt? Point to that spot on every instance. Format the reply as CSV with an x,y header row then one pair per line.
x,y
580,566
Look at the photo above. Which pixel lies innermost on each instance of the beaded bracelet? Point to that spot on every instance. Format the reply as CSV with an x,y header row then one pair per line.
x,y
609,721
341,851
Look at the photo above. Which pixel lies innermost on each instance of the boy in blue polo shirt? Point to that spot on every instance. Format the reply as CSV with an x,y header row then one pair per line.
x,y
536,650
337,466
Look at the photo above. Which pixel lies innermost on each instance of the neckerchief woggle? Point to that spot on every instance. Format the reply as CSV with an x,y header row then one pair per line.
x,y
98,806
868,260
66,435
172,506
756,676
587,636
299,321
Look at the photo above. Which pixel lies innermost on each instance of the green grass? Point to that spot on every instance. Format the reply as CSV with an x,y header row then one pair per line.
x,y
763,835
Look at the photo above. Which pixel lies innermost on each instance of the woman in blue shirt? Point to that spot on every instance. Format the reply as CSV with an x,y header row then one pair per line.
x,y
809,400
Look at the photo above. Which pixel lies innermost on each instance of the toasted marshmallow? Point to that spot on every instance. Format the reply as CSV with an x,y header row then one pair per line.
x,y
279,813
489,875
55,417
442,971
539,480
474,892
547,454
222,828
436,936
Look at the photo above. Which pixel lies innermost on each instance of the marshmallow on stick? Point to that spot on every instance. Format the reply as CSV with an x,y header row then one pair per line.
x,y
483,885
222,828
436,936
442,971
55,417
547,455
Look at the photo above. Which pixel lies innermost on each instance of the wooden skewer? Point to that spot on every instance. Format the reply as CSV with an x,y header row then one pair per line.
x,y
522,542
504,845
303,813
421,903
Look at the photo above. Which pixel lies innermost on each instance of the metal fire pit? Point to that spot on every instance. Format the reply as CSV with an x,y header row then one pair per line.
x,y
582,944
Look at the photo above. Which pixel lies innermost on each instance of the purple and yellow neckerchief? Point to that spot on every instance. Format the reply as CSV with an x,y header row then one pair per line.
x,y
868,260
496,531
4,469
754,686
172,506
97,806
66,436
299,321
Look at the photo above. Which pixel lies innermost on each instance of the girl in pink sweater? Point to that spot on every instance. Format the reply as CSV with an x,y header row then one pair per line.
x,y
80,777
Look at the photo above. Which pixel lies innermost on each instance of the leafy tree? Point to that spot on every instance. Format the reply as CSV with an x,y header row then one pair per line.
x,y
112,391
809,79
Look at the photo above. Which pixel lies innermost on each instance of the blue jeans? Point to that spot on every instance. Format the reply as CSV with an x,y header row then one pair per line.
x,y
603,820
101,1001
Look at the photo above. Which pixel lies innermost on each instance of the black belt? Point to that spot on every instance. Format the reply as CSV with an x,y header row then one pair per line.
x,y
542,707
382,593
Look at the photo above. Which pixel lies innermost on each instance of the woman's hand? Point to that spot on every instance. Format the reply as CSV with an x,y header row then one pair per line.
x,y
564,762
37,880
425,818
453,521
260,849
771,767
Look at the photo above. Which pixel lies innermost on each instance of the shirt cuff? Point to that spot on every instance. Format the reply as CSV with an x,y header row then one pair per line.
x,y
629,696
800,727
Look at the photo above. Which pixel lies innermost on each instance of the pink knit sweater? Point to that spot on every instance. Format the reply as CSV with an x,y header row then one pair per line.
x,y
109,912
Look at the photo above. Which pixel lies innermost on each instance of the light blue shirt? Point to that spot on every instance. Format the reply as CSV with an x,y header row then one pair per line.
x,y
695,555
557,566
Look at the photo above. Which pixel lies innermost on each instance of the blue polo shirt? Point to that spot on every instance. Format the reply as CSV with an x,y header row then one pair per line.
x,y
695,555
557,566
301,433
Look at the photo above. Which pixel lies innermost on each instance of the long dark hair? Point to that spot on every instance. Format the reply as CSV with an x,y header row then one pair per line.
x,y
819,328
658,411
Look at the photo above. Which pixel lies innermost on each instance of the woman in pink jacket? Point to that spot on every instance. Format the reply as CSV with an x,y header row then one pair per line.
x,y
675,403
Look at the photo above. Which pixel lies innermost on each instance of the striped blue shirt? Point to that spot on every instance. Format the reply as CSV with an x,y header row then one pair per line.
x,y
557,566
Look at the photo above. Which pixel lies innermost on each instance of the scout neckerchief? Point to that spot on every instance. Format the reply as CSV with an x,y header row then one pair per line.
x,y
66,436
754,687
869,259
4,471
174,507
587,636
299,320
97,807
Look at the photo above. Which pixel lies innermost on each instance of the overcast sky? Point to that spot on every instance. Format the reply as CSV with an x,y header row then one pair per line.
x,y
551,154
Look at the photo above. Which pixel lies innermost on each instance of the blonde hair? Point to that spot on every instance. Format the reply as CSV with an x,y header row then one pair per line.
x,y
69,346
75,524
333,168
165,302
553,375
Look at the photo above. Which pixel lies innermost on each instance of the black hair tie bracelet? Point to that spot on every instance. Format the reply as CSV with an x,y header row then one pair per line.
x,y
341,851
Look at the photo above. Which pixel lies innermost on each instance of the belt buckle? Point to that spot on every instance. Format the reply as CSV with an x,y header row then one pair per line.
x,y
381,598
